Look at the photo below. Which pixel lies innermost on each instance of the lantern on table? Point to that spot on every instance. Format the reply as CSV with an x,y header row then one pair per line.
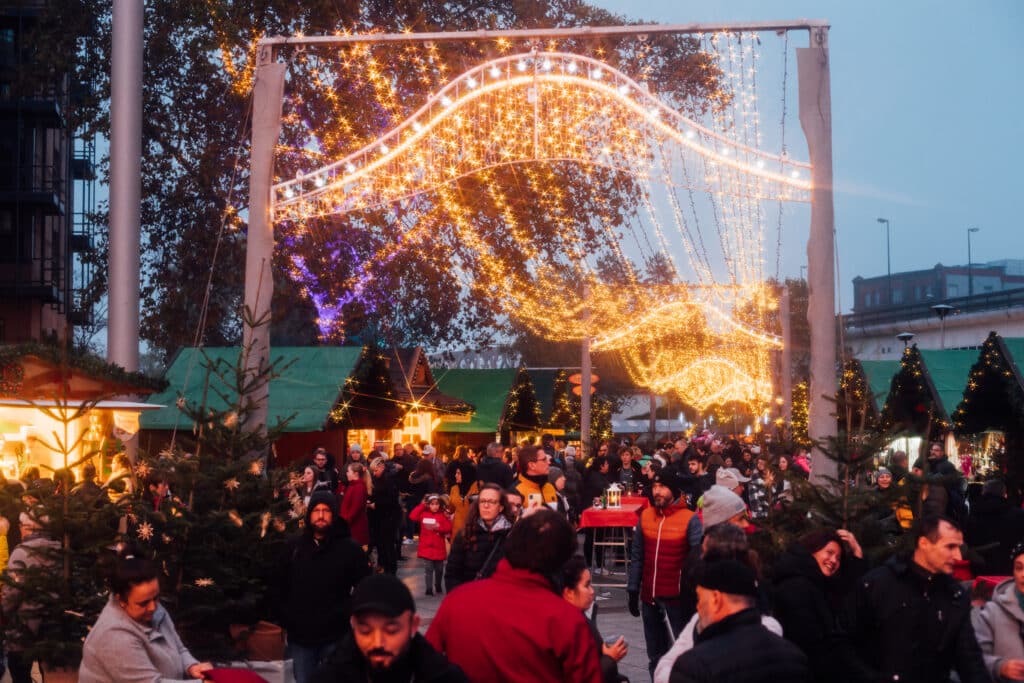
x,y
614,496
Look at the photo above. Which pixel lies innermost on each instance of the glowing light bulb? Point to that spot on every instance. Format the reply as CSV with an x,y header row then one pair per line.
x,y
417,126
384,149
471,82
760,163
446,101
495,72
597,74
795,174
320,181
572,68
521,65
546,65
623,89
288,193
690,134
350,167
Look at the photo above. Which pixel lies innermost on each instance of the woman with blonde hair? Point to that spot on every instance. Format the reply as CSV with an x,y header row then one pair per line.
x,y
353,503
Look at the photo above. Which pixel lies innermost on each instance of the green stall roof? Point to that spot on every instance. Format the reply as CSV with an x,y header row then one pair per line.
x,y
1015,346
307,389
486,389
949,370
879,374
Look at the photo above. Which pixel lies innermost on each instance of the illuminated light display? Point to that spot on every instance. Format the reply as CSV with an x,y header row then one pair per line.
x,y
539,113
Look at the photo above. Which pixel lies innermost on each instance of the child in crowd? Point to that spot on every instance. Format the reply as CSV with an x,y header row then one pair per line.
x,y
435,526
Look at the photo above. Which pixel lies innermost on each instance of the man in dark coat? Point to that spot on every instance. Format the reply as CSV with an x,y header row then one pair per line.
x,y
941,472
318,572
493,470
731,644
911,620
995,523
384,644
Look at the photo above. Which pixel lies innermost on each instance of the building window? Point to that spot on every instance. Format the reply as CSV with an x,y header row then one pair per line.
x,y
952,290
867,300
897,296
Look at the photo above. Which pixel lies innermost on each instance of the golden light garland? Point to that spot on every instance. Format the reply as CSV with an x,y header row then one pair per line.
x,y
537,110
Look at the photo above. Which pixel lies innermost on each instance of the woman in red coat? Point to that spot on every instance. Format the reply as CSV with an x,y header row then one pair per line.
x,y
435,526
353,504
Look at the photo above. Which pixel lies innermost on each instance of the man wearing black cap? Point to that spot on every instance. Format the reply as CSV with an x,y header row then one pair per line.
x,y
318,572
731,643
662,540
384,645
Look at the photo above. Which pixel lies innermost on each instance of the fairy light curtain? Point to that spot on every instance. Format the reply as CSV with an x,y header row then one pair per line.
x,y
677,286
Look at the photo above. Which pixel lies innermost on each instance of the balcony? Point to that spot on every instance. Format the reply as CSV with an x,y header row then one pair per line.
x,y
988,301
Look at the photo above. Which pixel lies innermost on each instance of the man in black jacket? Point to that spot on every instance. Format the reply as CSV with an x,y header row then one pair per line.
x,y
731,644
492,470
911,620
384,644
318,572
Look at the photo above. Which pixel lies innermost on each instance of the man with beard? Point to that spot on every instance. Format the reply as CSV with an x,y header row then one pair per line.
x,y
318,571
662,540
384,646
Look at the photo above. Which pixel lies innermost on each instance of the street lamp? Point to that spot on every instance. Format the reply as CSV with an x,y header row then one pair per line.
x,y
942,310
888,255
970,274
905,337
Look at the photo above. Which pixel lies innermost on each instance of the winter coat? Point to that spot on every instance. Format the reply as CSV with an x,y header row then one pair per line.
x,y
420,486
661,542
513,628
993,521
422,664
912,626
492,470
574,490
739,649
951,479
353,511
999,628
36,551
594,484
684,643
119,649
432,536
461,504
526,487
316,577
476,558
808,605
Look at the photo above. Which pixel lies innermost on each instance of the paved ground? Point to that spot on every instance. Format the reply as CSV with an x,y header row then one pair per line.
x,y
613,616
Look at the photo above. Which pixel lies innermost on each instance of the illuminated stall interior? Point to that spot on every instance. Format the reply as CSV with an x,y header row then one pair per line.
x,y
415,405
57,411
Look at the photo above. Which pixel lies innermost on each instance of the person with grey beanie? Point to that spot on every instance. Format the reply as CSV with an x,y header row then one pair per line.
x,y
721,505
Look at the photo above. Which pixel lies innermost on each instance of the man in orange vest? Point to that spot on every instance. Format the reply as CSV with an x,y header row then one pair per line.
x,y
665,535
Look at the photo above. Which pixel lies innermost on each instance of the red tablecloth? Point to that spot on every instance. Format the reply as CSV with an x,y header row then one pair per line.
x,y
624,516
636,500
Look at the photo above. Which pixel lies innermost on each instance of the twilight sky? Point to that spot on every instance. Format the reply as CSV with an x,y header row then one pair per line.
x,y
927,124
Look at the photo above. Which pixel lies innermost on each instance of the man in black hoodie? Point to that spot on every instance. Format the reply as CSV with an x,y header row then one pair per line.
x,y
318,573
492,470
384,645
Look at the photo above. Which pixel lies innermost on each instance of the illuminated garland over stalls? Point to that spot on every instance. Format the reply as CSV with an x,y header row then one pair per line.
x,y
543,126
994,396
855,394
522,411
912,404
799,413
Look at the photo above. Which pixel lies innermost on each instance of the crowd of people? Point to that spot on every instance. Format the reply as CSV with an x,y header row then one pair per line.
x,y
496,534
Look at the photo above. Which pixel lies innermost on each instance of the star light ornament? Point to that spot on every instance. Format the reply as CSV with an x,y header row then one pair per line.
x,y
145,531
204,583
232,484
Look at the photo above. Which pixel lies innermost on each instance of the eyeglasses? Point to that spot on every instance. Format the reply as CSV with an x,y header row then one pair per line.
x,y
483,501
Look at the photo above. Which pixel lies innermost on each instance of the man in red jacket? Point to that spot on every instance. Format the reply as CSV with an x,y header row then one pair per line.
x,y
664,536
512,627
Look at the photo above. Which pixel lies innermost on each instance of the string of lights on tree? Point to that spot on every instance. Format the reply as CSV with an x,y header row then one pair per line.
x,y
911,403
421,175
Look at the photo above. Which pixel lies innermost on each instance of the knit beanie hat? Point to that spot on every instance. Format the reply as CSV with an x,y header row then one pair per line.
x,y
720,505
554,473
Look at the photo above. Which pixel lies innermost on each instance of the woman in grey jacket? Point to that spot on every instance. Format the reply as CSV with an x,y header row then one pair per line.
x,y
134,640
999,624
